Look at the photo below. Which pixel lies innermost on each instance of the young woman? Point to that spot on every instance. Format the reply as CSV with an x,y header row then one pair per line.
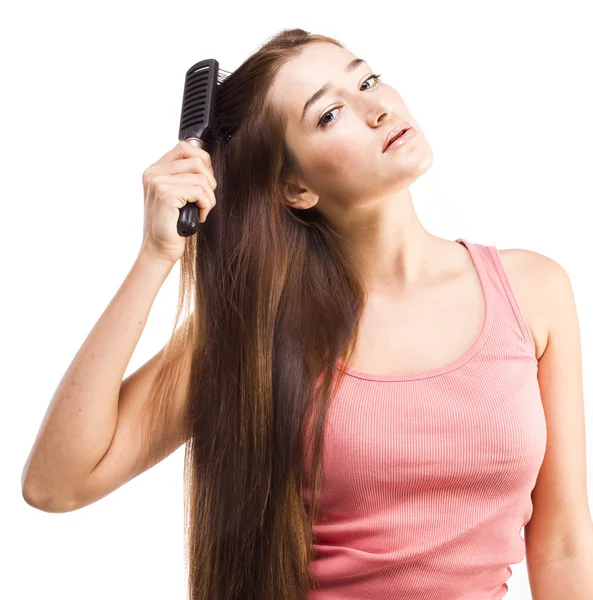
x,y
369,410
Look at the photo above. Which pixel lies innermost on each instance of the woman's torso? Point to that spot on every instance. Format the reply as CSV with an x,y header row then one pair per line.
x,y
434,442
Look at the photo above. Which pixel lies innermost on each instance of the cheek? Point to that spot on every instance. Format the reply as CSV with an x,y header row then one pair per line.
x,y
337,158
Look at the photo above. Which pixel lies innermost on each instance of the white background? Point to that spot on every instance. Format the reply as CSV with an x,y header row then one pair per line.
x,y
92,96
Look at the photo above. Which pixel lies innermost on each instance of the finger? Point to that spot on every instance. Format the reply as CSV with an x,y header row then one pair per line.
x,y
191,164
201,189
204,204
186,150
198,179
207,190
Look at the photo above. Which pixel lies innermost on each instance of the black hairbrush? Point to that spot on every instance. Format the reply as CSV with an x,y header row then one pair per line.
x,y
197,114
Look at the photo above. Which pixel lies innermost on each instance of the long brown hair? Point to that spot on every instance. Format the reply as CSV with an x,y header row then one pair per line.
x,y
277,301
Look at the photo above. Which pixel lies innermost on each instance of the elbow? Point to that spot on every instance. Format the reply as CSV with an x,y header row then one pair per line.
x,y
46,504
32,498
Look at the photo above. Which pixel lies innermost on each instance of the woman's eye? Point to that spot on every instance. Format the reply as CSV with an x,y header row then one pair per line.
x,y
323,123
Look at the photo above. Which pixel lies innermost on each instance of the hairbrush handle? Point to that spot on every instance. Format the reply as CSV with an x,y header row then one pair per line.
x,y
187,224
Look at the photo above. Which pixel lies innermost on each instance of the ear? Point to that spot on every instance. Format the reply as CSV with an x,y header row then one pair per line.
x,y
297,196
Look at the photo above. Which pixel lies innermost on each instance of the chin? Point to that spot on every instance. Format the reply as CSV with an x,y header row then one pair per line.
x,y
427,162
421,161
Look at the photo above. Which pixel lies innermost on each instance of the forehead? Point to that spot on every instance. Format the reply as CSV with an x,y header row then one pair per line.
x,y
304,74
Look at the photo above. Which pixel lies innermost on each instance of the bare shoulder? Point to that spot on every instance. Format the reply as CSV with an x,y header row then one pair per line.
x,y
533,277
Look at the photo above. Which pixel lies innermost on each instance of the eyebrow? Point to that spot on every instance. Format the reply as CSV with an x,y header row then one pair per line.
x,y
353,64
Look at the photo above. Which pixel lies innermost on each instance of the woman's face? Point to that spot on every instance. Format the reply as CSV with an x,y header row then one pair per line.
x,y
339,139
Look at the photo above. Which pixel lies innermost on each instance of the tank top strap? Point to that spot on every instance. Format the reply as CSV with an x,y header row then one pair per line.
x,y
509,320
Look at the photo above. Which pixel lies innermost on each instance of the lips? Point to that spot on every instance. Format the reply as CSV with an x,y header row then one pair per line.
x,y
395,132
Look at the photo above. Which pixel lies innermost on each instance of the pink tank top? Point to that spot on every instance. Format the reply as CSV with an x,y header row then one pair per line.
x,y
428,476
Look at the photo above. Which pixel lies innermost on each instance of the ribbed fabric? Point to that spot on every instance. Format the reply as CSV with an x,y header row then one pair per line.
x,y
428,476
